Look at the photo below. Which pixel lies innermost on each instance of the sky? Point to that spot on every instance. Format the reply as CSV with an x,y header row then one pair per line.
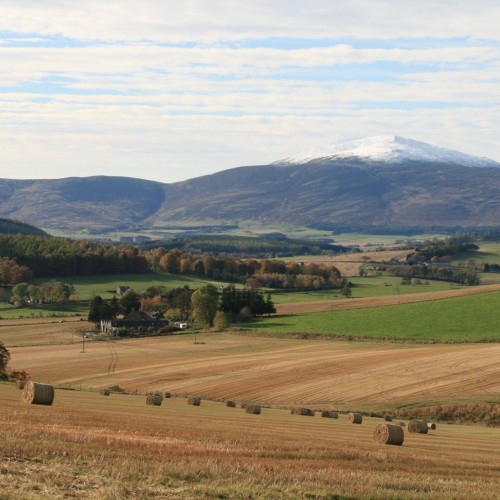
x,y
170,90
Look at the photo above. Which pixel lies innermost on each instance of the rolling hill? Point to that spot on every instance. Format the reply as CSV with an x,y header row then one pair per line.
x,y
376,182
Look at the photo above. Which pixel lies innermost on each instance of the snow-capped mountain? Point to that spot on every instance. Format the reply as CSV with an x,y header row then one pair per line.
x,y
391,149
382,182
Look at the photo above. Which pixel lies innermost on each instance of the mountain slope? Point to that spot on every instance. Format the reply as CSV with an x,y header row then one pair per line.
x,y
381,181
352,192
97,203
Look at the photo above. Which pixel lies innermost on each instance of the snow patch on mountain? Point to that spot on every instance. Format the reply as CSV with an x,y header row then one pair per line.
x,y
390,149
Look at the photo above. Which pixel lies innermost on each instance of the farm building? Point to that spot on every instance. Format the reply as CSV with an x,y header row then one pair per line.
x,y
136,319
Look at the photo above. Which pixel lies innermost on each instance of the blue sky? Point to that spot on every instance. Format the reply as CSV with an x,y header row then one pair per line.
x,y
169,90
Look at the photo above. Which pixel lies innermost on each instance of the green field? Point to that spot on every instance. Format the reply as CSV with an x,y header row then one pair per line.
x,y
368,286
105,285
465,319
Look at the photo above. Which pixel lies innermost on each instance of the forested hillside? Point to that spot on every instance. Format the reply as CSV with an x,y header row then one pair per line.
x,y
9,226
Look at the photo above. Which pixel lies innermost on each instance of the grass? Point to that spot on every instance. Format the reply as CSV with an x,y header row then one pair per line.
x,y
471,319
369,286
105,285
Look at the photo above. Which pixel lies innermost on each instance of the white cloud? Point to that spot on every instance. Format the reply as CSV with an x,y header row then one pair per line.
x,y
93,89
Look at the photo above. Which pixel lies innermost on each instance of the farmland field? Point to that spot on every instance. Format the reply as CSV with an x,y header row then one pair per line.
x,y
274,371
90,446
117,447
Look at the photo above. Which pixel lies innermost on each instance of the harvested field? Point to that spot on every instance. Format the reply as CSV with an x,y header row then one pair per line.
x,y
386,300
214,452
348,264
282,372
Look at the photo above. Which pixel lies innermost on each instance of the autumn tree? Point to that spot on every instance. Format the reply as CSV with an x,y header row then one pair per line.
x,y
4,361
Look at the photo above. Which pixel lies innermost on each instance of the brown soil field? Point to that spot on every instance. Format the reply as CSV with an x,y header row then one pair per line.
x,y
117,447
386,300
348,264
273,371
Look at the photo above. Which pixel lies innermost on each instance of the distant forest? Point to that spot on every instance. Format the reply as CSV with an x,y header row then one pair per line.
x,y
9,226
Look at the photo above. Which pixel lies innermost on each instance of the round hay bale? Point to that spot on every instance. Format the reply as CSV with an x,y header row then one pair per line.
x,y
389,434
402,424
388,418
195,401
253,409
329,414
154,399
432,426
231,404
104,391
355,418
38,394
418,426
303,411
20,384
167,395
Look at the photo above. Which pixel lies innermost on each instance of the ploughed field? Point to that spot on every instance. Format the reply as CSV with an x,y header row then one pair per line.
x,y
91,446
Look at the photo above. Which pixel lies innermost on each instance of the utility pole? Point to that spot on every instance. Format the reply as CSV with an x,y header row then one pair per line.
x,y
83,343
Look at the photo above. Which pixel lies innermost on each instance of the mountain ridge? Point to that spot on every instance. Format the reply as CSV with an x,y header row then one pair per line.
x,y
351,190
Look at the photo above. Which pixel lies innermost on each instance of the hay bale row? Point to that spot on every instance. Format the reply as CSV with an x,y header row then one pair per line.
x,y
195,401
37,394
104,391
303,411
418,426
20,384
329,414
389,434
231,404
355,418
154,399
253,409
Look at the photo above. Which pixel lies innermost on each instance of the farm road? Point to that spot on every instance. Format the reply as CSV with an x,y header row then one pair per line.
x,y
386,300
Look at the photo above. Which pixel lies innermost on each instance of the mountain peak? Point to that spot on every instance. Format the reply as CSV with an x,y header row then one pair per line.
x,y
390,149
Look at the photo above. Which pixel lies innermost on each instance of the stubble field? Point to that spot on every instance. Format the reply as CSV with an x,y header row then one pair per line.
x,y
96,447
117,447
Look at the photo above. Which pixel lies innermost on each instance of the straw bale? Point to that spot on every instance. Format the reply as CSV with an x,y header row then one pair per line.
x,y
402,424
154,399
37,394
253,409
389,434
20,384
231,404
168,395
418,426
329,414
195,401
388,418
104,391
355,418
303,411
431,426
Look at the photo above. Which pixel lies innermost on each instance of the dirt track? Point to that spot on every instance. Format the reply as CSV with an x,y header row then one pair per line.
x,y
387,300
